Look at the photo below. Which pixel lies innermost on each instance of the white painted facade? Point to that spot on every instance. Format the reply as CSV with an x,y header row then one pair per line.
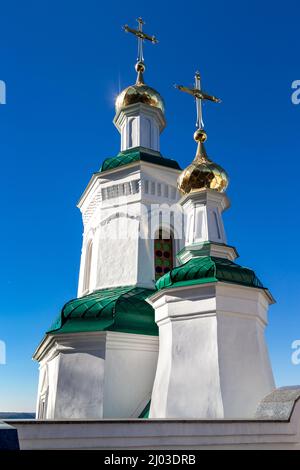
x,y
203,211
140,125
162,434
108,374
120,227
95,375
213,361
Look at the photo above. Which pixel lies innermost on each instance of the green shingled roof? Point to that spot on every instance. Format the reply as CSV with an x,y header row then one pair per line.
x,y
121,309
208,269
137,154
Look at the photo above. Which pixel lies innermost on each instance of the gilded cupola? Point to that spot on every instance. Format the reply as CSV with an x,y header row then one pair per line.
x,y
139,93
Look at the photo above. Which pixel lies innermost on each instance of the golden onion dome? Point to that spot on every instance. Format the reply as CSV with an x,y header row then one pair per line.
x,y
139,93
202,173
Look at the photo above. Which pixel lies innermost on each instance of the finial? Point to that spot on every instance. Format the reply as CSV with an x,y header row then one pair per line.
x,y
141,36
200,137
140,69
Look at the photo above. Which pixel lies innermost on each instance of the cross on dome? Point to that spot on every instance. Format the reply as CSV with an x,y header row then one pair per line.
x,y
199,96
141,37
202,173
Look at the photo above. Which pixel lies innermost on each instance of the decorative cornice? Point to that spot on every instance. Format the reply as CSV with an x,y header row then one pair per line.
x,y
219,250
206,196
53,345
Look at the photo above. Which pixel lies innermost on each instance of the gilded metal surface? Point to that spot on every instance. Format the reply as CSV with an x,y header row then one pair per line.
x,y
139,93
140,69
199,94
200,135
202,174
141,36
139,33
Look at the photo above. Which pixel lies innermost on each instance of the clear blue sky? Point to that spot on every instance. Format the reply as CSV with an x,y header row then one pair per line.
x,y
63,63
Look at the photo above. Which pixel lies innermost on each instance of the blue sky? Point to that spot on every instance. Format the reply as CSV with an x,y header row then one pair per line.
x,y
63,64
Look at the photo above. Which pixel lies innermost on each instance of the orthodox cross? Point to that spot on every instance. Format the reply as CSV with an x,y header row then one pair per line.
x,y
141,36
200,96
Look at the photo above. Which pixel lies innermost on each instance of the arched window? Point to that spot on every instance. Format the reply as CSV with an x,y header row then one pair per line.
x,y
87,266
163,253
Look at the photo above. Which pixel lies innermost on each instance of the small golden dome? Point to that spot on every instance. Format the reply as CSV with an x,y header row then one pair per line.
x,y
139,93
202,173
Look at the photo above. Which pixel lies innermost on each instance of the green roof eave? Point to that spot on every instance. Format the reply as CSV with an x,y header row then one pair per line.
x,y
208,269
122,309
191,282
138,154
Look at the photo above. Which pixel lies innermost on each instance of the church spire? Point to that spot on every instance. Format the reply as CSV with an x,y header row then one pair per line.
x,y
140,109
200,135
202,173
141,37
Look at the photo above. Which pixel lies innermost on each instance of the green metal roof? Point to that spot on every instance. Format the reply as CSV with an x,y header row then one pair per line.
x,y
121,309
208,269
137,154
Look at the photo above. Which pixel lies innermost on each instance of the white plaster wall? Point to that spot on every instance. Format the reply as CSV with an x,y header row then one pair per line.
x,y
97,374
80,385
123,244
161,434
191,388
41,386
245,375
130,366
219,365
145,263
159,397
245,367
52,371
117,257
204,219
194,388
140,126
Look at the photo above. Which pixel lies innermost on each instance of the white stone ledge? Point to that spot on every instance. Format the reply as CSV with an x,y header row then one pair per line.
x,y
160,434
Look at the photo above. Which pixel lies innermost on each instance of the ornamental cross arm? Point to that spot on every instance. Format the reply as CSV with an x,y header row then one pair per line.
x,y
141,37
199,96
140,34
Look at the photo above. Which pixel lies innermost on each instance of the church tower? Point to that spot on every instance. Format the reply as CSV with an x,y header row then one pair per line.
x,y
98,359
211,312
101,357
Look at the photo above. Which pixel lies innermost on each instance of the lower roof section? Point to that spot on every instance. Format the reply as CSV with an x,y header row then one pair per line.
x,y
203,269
122,309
